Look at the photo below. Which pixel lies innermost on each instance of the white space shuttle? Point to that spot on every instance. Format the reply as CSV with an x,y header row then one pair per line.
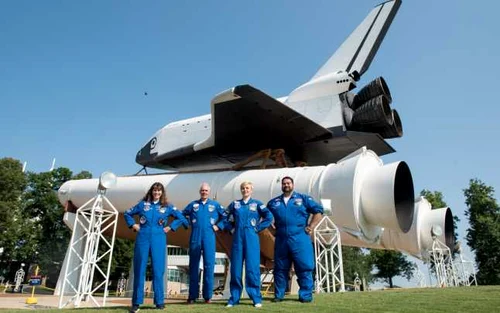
x,y
337,133
318,123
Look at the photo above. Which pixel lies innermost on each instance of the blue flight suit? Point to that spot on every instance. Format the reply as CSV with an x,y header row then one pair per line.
x,y
201,218
151,237
292,243
249,219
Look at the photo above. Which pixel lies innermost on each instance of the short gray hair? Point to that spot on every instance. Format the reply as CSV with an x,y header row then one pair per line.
x,y
205,184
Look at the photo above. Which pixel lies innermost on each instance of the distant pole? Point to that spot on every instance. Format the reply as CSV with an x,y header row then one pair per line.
x,y
53,165
34,281
24,166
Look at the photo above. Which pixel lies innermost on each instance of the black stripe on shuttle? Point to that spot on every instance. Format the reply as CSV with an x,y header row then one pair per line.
x,y
348,69
380,37
183,151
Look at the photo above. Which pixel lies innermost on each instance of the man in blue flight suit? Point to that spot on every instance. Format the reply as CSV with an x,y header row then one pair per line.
x,y
206,217
250,216
291,212
153,211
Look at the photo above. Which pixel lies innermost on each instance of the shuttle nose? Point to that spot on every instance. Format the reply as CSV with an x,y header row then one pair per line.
x,y
144,156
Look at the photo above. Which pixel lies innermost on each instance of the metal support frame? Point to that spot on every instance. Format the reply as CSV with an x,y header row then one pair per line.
x,y
19,278
465,271
121,286
440,256
420,277
357,282
276,155
328,253
93,220
267,281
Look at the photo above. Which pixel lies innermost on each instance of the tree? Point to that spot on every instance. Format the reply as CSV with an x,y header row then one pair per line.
x,y
82,175
123,252
14,232
483,234
31,225
436,200
389,264
12,180
42,205
355,260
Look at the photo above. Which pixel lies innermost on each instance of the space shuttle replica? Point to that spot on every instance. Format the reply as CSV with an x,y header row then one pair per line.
x,y
327,134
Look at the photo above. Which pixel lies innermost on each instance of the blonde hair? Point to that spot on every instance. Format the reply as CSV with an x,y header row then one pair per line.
x,y
245,183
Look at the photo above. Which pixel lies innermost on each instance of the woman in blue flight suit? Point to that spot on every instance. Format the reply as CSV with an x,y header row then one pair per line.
x,y
250,216
153,211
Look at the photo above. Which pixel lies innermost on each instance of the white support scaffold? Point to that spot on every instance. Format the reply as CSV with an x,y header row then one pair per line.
x,y
420,278
90,272
328,253
19,278
441,257
465,269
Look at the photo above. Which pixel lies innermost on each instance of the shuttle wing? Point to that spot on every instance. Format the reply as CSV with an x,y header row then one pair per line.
x,y
357,51
314,126
246,119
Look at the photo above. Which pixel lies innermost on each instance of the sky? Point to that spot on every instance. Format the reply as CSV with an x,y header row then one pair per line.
x,y
73,76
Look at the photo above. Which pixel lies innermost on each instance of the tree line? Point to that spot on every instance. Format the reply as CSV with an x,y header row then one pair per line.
x,y
32,230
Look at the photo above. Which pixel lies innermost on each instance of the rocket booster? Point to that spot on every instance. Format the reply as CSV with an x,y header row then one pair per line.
x,y
366,195
419,239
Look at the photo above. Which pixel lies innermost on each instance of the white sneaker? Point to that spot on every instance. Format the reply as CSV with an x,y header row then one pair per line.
x,y
229,305
258,305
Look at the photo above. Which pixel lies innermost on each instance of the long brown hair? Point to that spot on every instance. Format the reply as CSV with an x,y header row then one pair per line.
x,y
149,195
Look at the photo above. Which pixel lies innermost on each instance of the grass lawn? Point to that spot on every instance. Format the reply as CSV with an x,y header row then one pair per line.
x,y
453,300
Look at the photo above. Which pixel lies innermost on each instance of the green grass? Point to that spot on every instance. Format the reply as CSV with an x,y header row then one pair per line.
x,y
454,300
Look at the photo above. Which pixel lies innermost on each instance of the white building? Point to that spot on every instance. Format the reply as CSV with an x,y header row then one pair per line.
x,y
177,272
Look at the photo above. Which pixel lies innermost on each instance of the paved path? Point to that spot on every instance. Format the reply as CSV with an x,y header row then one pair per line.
x,y
18,301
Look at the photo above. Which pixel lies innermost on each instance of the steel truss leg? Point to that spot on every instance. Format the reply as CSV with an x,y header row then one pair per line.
x,y
466,273
328,253
441,258
85,273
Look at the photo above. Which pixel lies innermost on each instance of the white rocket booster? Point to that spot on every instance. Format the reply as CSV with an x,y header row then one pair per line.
x,y
418,240
366,196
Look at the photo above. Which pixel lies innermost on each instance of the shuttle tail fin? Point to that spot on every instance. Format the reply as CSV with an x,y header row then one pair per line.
x,y
358,50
